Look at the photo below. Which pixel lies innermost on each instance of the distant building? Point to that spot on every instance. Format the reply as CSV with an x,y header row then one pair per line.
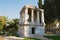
x,y
31,22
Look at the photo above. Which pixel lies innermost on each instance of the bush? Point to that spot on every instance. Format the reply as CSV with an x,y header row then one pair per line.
x,y
12,34
1,33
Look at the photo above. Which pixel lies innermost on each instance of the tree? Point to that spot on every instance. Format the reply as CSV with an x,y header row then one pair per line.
x,y
12,27
3,21
57,2
16,22
40,4
1,26
50,11
13,24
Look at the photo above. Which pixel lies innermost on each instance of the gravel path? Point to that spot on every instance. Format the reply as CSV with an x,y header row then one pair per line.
x,y
19,38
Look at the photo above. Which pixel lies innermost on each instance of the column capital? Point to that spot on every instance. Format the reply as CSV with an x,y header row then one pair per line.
x,y
41,10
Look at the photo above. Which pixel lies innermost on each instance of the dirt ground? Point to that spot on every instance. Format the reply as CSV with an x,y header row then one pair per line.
x,y
1,38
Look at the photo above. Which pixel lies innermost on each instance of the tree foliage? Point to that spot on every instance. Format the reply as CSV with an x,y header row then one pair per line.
x,y
40,4
57,2
12,27
3,21
13,24
50,11
1,26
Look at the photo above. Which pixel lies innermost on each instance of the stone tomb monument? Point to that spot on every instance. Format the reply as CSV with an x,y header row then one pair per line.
x,y
31,22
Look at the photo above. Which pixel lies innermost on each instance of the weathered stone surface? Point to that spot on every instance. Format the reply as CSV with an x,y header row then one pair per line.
x,y
13,38
30,17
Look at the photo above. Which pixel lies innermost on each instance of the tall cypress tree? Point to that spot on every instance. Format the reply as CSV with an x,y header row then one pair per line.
x,y
40,3
50,11
57,2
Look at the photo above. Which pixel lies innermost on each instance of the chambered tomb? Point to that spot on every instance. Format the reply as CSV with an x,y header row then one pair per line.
x,y
31,22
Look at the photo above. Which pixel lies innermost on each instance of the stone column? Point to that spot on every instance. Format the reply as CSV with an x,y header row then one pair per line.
x,y
42,16
26,28
26,15
32,16
42,20
38,17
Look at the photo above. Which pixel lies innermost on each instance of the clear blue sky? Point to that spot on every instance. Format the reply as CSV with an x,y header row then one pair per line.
x,y
11,8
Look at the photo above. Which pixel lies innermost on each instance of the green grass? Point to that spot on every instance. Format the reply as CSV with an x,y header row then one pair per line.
x,y
53,37
31,39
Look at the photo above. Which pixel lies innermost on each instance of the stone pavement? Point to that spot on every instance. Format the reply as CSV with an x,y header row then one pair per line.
x,y
11,38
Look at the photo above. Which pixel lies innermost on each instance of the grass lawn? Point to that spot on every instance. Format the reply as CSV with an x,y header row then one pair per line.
x,y
31,39
53,37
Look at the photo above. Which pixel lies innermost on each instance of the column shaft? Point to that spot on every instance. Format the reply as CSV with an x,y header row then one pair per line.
x,y
38,17
42,16
32,16
26,11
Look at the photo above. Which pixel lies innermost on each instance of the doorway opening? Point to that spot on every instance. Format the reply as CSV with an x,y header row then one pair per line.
x,y
33,30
